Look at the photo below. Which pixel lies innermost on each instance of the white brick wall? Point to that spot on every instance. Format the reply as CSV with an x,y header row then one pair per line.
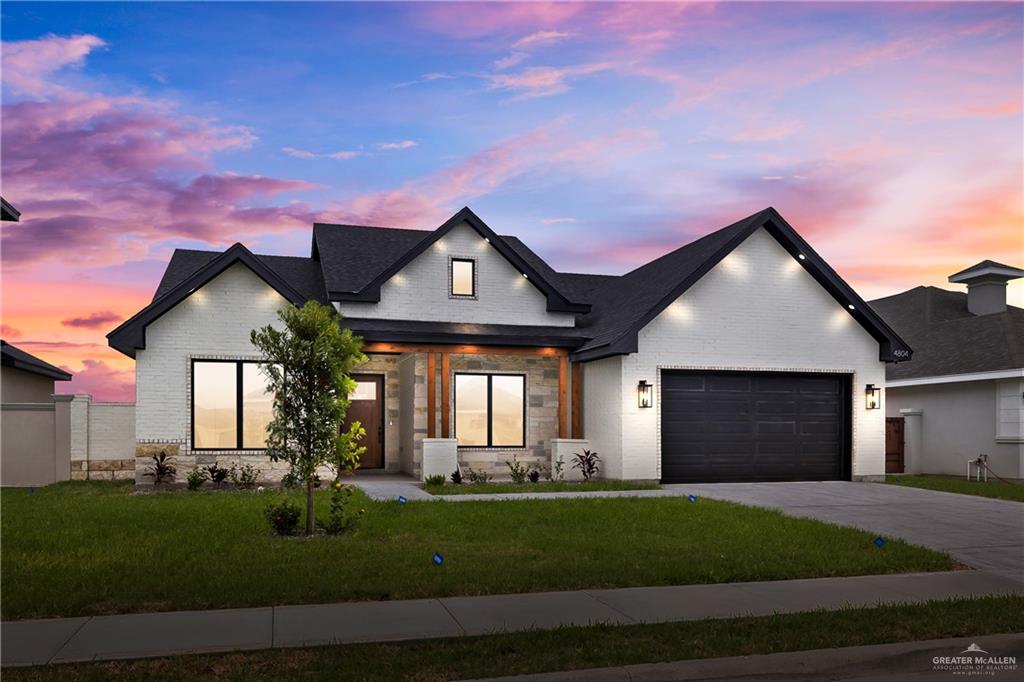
x,y
757,309
111,431
603,400
421,290
213,321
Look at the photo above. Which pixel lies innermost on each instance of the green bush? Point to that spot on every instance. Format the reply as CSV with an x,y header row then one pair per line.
x,y
196,478
436,479
517,470
283,517
244,477
341,518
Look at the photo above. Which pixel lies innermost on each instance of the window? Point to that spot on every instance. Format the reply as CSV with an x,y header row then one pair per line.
x,y
490,410
231,406
463,277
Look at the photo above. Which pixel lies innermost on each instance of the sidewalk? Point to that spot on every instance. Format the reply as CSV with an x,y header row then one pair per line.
x,y
902,661
63,640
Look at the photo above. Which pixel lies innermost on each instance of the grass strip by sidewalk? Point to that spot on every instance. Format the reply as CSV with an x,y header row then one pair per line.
x,y
992,488
568,648
91,549
546,487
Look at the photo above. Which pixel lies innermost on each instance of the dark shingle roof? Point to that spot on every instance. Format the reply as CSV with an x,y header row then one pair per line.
x,y
12,356
302,273
947,339
8,212
353,255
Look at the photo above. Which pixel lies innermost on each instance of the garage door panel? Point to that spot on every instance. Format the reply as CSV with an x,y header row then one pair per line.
x,y
722,426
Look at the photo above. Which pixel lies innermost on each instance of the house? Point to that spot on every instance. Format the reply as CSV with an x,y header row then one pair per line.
x,y
34,450
8,212
963,395
740,356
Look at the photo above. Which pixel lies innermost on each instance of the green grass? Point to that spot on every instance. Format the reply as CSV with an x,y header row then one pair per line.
x,y
547,487
91,548
569,648
949,484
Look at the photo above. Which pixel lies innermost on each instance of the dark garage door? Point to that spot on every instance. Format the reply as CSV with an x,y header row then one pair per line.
x,y
739,426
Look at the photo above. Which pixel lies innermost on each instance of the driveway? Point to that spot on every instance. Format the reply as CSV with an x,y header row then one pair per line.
x,y
980,532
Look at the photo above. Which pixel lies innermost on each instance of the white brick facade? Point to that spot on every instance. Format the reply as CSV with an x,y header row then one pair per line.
x,y
421,290
756,310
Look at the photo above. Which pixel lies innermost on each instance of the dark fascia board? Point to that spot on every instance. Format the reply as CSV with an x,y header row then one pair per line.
x,y
8,212
385,336
371,292
40,367
130,335
891,347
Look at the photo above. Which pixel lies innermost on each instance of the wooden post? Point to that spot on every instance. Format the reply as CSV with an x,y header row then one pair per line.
x,y
431,395
563,397
446,407
577,400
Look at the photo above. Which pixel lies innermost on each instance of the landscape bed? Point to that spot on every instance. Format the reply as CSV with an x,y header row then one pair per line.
x,y
546,487
90,548
991,488
572,648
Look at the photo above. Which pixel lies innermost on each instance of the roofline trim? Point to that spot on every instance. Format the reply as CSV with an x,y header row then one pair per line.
x,y
55,373
557,302
957,378
1000,271
130,335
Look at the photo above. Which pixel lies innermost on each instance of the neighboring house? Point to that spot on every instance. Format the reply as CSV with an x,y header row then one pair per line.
x,y
740,356
963,395
33,449
8,212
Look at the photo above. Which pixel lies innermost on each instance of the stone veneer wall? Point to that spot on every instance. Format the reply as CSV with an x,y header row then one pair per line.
x,y
541,409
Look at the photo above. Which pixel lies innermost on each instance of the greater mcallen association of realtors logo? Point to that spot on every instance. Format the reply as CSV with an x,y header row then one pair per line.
x,y
974,661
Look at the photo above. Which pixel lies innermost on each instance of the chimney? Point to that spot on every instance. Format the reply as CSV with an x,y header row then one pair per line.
x,y
986,286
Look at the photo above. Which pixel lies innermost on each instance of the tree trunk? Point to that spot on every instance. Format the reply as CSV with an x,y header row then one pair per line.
x,y
309,506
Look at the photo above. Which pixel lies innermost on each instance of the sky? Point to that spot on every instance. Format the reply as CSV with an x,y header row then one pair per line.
x,y
603,135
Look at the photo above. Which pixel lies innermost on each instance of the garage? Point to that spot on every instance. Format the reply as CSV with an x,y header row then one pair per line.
x,y
754,426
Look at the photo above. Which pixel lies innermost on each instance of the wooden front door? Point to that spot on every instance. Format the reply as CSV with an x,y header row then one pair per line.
x,y
367,407
894,445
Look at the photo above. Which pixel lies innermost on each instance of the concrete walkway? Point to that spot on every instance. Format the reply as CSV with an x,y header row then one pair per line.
x,y
144,635
899,662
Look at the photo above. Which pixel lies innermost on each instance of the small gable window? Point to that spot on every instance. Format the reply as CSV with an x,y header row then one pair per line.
x,y
463,277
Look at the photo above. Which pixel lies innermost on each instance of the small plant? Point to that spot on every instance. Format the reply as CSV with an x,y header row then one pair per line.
x,y
517,470
556,474
290,480
456,477
162,469
196,478
341,517
435,480
218,474
587,462
244,477
534,476
283,516
475,476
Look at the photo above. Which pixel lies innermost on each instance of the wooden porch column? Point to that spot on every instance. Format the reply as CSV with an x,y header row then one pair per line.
x,y
563,396
446,407
431,395
577,400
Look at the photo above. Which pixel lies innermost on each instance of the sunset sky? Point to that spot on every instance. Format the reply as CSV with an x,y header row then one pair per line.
x,y
603,135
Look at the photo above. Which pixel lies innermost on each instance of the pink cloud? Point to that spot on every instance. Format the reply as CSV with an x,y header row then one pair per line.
x,y
400,144
9,332
539,38
541,81
28,64
100,380
97,320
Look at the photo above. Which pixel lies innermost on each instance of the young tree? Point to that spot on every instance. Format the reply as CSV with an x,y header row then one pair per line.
x,y
307,365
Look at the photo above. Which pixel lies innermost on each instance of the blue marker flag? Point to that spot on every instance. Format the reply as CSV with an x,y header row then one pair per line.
x,y
879,541
438,559
692,498
401,499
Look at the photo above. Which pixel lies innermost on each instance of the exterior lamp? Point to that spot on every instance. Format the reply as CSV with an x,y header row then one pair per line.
x,y
872,397
644,394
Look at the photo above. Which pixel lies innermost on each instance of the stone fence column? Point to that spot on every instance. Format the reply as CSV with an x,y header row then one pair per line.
x,y
79,435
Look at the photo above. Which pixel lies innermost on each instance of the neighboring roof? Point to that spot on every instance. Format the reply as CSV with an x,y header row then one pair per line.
x,y
12,356
949,340
8,212
987,269
131,334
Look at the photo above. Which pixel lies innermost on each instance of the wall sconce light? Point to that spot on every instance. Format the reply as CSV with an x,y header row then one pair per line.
x,y
872,397
644,394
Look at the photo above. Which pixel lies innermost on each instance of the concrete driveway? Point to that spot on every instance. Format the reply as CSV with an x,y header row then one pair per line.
x,y
980,532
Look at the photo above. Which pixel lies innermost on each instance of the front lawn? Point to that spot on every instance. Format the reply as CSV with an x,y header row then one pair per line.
x,y
546,487
93,548
949,484
567,648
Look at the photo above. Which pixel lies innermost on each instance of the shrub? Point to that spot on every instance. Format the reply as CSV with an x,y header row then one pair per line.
x,y
244,477
290,480
534,476
556,474
588,463
477,476
435,480
283,517
456,477
196,477
341,518
162,469
517,470
217,474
